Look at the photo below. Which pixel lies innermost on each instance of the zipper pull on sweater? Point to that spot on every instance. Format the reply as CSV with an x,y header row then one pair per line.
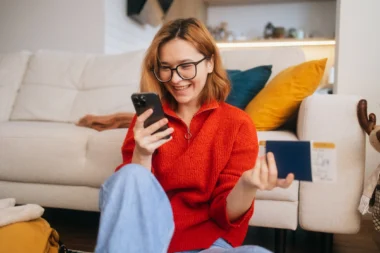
x,y
188,135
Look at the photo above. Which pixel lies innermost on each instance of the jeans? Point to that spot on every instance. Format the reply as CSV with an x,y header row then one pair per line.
x,y
136,216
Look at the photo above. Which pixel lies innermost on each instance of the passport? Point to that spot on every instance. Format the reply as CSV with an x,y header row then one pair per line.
x,y
307,160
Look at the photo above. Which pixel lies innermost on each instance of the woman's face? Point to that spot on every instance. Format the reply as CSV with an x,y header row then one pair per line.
x,y
174,53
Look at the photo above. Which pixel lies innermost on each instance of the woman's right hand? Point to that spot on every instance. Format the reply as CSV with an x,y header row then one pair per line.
x,y
146,141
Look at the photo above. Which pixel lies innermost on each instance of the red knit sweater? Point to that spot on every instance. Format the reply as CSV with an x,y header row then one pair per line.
x,y
198,174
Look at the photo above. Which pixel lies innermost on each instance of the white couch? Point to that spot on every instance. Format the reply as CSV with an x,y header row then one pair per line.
x,y
46,159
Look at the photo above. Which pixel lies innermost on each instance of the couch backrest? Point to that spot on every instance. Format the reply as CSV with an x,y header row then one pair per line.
x,y
63,87
12,69
246,58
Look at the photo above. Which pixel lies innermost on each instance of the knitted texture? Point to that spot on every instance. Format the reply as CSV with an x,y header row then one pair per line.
x,y
198,173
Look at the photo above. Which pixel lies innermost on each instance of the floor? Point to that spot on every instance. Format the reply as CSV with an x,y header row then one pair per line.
x,y
78,230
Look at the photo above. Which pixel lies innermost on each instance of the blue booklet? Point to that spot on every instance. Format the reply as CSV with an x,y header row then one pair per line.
x,y
307,160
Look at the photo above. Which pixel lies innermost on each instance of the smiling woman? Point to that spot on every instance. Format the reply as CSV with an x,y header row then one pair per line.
x,y
184,88
194,191
188,45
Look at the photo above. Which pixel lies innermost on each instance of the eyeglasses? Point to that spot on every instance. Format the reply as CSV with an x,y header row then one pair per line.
x,y
186,71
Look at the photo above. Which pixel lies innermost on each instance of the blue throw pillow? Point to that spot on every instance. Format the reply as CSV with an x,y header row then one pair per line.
x,y
245,85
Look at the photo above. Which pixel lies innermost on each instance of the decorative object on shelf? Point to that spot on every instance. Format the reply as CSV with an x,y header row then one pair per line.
x,y
300,34
150,12
268,31
221,33
279,32
276,32
292,33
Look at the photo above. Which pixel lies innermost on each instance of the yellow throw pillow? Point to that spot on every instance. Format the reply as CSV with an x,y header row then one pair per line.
x,y
281,97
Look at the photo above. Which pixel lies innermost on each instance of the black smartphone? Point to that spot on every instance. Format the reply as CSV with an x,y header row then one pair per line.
x,y
149,100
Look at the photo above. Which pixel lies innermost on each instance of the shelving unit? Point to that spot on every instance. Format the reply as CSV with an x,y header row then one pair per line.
x,y
276,43
241,2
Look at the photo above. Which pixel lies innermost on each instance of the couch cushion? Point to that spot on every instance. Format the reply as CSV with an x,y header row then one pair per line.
x,y
64,87
12,69
290,194
56,153
275,214
80,156
52,153
282,96
247,84
104,155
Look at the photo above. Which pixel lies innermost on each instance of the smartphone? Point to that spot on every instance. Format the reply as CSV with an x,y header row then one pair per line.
x,y
149,100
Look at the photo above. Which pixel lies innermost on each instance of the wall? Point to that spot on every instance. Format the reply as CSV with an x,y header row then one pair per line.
x,y
52,24
320,52
357,58
251,19
91,26
122,33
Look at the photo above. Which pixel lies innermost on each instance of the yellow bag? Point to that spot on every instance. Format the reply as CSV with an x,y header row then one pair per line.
x,y
35,236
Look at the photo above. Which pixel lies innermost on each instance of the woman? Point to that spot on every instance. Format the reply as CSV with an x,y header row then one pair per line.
x,y
194,191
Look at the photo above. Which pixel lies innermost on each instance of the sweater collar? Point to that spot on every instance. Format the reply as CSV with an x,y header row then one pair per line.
x,y
213,104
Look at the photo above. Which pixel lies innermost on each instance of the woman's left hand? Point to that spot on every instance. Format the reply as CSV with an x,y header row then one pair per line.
x,y
264,175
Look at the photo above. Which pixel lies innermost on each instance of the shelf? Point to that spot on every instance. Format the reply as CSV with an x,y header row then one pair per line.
x,y
276,43
244,2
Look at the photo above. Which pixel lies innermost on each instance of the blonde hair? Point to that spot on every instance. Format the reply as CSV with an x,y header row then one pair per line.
x,y
192,30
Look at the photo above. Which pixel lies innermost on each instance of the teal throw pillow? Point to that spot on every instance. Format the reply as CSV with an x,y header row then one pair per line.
x,y
245,85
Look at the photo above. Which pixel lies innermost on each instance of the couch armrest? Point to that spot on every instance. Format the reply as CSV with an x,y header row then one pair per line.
x,y
333,207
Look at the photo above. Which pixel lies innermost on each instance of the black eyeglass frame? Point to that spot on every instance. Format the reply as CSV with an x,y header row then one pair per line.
x,y
176,69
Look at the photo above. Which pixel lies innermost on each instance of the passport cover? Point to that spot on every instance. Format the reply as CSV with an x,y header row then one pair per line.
x,y
292,157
